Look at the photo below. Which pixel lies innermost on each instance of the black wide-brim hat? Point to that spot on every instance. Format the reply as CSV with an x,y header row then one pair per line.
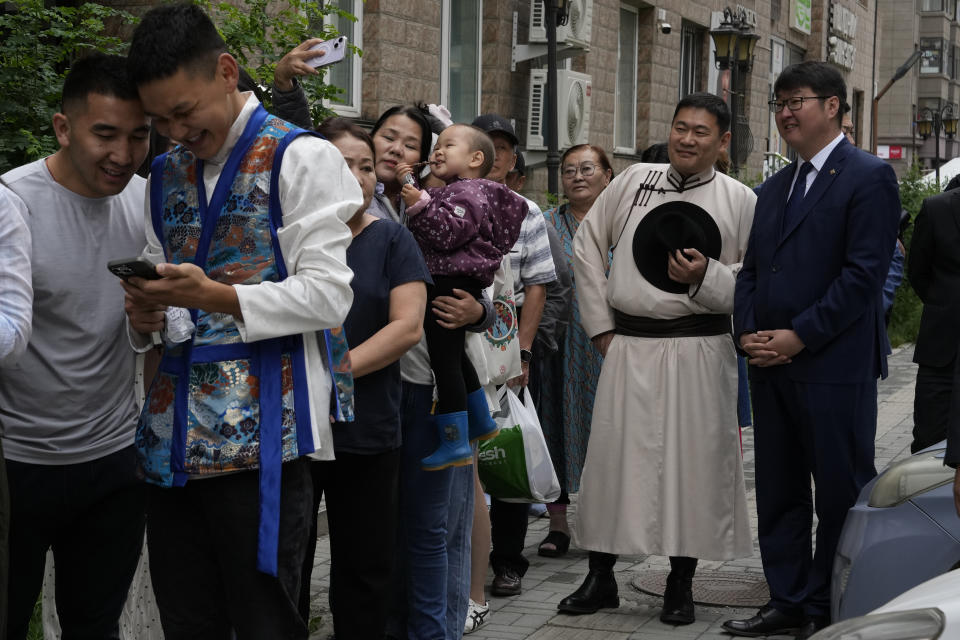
x,y
667,228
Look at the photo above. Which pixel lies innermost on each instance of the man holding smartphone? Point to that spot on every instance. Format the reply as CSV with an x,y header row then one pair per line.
x,y
235,409
67,407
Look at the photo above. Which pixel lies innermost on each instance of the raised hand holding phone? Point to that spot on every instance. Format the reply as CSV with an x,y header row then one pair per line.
x,y
329,51
303,60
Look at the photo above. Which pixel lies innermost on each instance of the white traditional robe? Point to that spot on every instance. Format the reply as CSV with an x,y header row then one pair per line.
x,y
664,472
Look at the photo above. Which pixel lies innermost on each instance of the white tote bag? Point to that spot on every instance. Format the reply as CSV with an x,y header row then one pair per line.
x,y
495,353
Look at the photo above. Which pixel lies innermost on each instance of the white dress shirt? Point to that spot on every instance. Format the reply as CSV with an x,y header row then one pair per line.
x,y
817,161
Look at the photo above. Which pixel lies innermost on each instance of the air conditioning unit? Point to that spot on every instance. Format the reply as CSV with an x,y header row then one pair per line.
x,y
573,109
577,30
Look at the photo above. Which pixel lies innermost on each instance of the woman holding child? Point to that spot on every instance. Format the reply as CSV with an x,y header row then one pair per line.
x,y
464,229
435,506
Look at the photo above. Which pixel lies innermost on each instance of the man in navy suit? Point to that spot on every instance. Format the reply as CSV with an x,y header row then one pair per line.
x,y
809,316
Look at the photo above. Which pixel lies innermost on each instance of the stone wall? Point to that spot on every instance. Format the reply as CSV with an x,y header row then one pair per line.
x,y
401,54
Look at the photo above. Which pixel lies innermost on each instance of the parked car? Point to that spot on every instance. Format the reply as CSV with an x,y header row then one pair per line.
x,y
902,531
926,612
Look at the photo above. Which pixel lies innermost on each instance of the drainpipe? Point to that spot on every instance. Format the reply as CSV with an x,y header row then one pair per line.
x,y
553,153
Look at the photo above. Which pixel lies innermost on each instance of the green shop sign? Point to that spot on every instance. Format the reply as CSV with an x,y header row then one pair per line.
x,y
800,15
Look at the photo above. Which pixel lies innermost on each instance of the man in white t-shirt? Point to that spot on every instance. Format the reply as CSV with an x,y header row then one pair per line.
x,y
67,409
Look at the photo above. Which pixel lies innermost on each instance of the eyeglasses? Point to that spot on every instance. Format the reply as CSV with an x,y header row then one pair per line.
x,y
794,104
847,129
586,169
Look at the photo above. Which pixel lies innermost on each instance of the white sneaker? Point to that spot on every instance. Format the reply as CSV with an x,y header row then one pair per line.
x,y
477,615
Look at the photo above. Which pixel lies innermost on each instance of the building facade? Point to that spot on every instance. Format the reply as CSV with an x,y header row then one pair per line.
x,y
617,58
622,70
931,86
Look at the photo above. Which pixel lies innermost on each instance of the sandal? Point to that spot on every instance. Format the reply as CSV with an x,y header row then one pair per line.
x,y
560,542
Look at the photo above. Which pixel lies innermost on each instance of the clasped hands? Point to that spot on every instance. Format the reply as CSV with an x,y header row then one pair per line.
x,y
771,348
764,348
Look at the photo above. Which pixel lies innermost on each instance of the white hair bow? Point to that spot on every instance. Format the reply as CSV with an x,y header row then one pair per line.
x,y
441,113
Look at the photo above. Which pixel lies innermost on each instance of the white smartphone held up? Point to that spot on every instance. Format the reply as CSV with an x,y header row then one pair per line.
x,y
334,51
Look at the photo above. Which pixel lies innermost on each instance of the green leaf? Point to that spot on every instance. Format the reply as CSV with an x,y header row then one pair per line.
x,y
259,33
37,44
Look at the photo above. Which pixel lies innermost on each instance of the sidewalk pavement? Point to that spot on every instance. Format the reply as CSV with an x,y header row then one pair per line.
x,y
533,614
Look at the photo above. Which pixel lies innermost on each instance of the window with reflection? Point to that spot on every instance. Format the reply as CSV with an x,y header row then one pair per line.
x,y
346,75
931,60
460,66
625,105
691,54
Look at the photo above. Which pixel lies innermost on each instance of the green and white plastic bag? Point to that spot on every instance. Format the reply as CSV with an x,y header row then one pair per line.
x,y
515,466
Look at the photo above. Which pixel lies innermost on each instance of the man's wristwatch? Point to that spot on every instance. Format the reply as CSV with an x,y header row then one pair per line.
x,y
526,355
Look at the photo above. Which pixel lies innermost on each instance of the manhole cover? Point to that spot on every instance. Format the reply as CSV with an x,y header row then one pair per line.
x,y
728,590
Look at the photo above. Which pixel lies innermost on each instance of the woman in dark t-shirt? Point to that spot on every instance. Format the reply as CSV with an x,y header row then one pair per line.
x,y
386,320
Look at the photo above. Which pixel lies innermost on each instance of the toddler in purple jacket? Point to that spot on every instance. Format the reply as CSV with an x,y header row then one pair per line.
x,y
464,230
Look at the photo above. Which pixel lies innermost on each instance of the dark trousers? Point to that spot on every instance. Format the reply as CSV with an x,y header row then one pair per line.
x,y
202,540
361,493
92,515
931,405
452,370
508,520
508,524
604,562
508,530
825,431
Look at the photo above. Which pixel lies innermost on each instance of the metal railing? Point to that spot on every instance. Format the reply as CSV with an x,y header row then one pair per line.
x,y
773,162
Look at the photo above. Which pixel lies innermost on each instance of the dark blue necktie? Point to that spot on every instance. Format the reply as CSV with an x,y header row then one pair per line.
x,y
792,212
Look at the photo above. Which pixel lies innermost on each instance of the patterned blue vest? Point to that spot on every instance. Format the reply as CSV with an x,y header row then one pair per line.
x,y
219,405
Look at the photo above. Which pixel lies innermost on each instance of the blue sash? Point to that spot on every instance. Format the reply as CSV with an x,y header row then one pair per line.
x,y
264,361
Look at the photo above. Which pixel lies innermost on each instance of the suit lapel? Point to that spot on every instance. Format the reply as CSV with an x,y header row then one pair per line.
x,y
825,177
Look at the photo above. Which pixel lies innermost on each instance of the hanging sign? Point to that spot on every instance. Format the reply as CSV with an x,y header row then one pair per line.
x,y
843,29
800,15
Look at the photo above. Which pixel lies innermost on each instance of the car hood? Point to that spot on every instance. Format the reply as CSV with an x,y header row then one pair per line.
x,y
942,592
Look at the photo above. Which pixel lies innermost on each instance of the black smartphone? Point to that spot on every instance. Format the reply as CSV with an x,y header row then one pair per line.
x,y
138,267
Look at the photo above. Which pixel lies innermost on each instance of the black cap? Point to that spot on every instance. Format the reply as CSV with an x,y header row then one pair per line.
x,y
493,123
520,166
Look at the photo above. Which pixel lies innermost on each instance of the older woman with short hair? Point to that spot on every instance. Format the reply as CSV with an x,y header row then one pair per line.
x,y
569,378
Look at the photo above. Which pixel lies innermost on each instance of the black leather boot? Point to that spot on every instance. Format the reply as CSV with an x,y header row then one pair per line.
x,y
599,589
678,596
